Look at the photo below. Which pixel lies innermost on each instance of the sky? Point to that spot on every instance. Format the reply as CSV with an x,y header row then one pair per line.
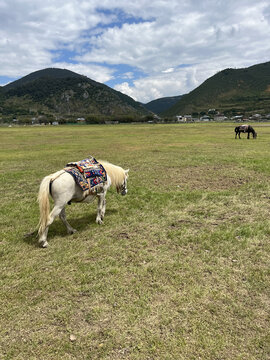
x,y
145,49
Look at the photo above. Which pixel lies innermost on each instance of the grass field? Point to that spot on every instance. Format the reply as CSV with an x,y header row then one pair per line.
x,y
180,268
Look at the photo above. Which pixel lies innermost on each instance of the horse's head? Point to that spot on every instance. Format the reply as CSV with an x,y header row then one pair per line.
x,y
122,189
253,132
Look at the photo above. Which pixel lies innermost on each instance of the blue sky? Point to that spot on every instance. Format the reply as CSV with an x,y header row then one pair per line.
x,y
145,49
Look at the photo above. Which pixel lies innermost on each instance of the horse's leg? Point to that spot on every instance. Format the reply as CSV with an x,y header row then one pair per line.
x,y
43,237
63,218
101,208
248,134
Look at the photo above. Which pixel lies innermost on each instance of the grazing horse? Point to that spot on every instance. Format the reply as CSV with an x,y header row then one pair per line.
x,y
245,129
63,189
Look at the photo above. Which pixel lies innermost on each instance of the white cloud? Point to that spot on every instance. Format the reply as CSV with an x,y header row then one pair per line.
x,y
168,84
128,75
170,70
94,72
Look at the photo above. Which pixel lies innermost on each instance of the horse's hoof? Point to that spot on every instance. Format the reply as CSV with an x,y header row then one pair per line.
x,y
29,234
73,231
99,221
43,244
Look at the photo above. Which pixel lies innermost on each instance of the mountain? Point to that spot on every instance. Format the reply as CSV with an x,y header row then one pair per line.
x,y
229,91
55,91
162,104
52,73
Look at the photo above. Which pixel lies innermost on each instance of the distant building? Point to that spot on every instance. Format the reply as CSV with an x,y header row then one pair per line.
x,y
256,117
187,118
220,117
180,118
205,118
80,119
238,117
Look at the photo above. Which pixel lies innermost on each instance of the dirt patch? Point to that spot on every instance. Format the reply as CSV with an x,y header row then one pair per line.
x,y
123,235
212,177
185,222
205,177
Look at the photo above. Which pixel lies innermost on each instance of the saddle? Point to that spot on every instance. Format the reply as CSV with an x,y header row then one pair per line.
x,y
244,128
88,174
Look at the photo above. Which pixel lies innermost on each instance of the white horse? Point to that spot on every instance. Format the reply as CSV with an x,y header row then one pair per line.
x,y
63,189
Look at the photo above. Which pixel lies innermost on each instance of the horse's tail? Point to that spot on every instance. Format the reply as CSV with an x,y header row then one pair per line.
x,y
44,202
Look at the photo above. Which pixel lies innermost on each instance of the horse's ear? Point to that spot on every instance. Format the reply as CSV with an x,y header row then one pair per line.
x,y
126,172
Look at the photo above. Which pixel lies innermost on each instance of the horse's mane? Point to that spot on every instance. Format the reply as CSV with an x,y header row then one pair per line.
x,y
116,173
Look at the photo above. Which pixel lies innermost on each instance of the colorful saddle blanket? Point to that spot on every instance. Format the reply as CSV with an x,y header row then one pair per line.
x,y
87,173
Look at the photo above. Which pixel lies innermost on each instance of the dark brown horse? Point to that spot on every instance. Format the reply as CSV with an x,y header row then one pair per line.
x,y
245,129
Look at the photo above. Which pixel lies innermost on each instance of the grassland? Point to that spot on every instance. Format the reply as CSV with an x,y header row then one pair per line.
x,y
179,270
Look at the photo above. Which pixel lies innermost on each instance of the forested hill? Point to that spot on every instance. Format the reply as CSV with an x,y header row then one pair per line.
x,y
246,89
160,105
63,92
50,73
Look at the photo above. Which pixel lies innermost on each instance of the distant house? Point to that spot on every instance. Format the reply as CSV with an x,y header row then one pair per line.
x,y
238,118
256,117
205,118
220,117
180,118
80,119
187,118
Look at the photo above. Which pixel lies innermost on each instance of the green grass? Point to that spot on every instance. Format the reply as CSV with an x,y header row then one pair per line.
x,y
180,268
